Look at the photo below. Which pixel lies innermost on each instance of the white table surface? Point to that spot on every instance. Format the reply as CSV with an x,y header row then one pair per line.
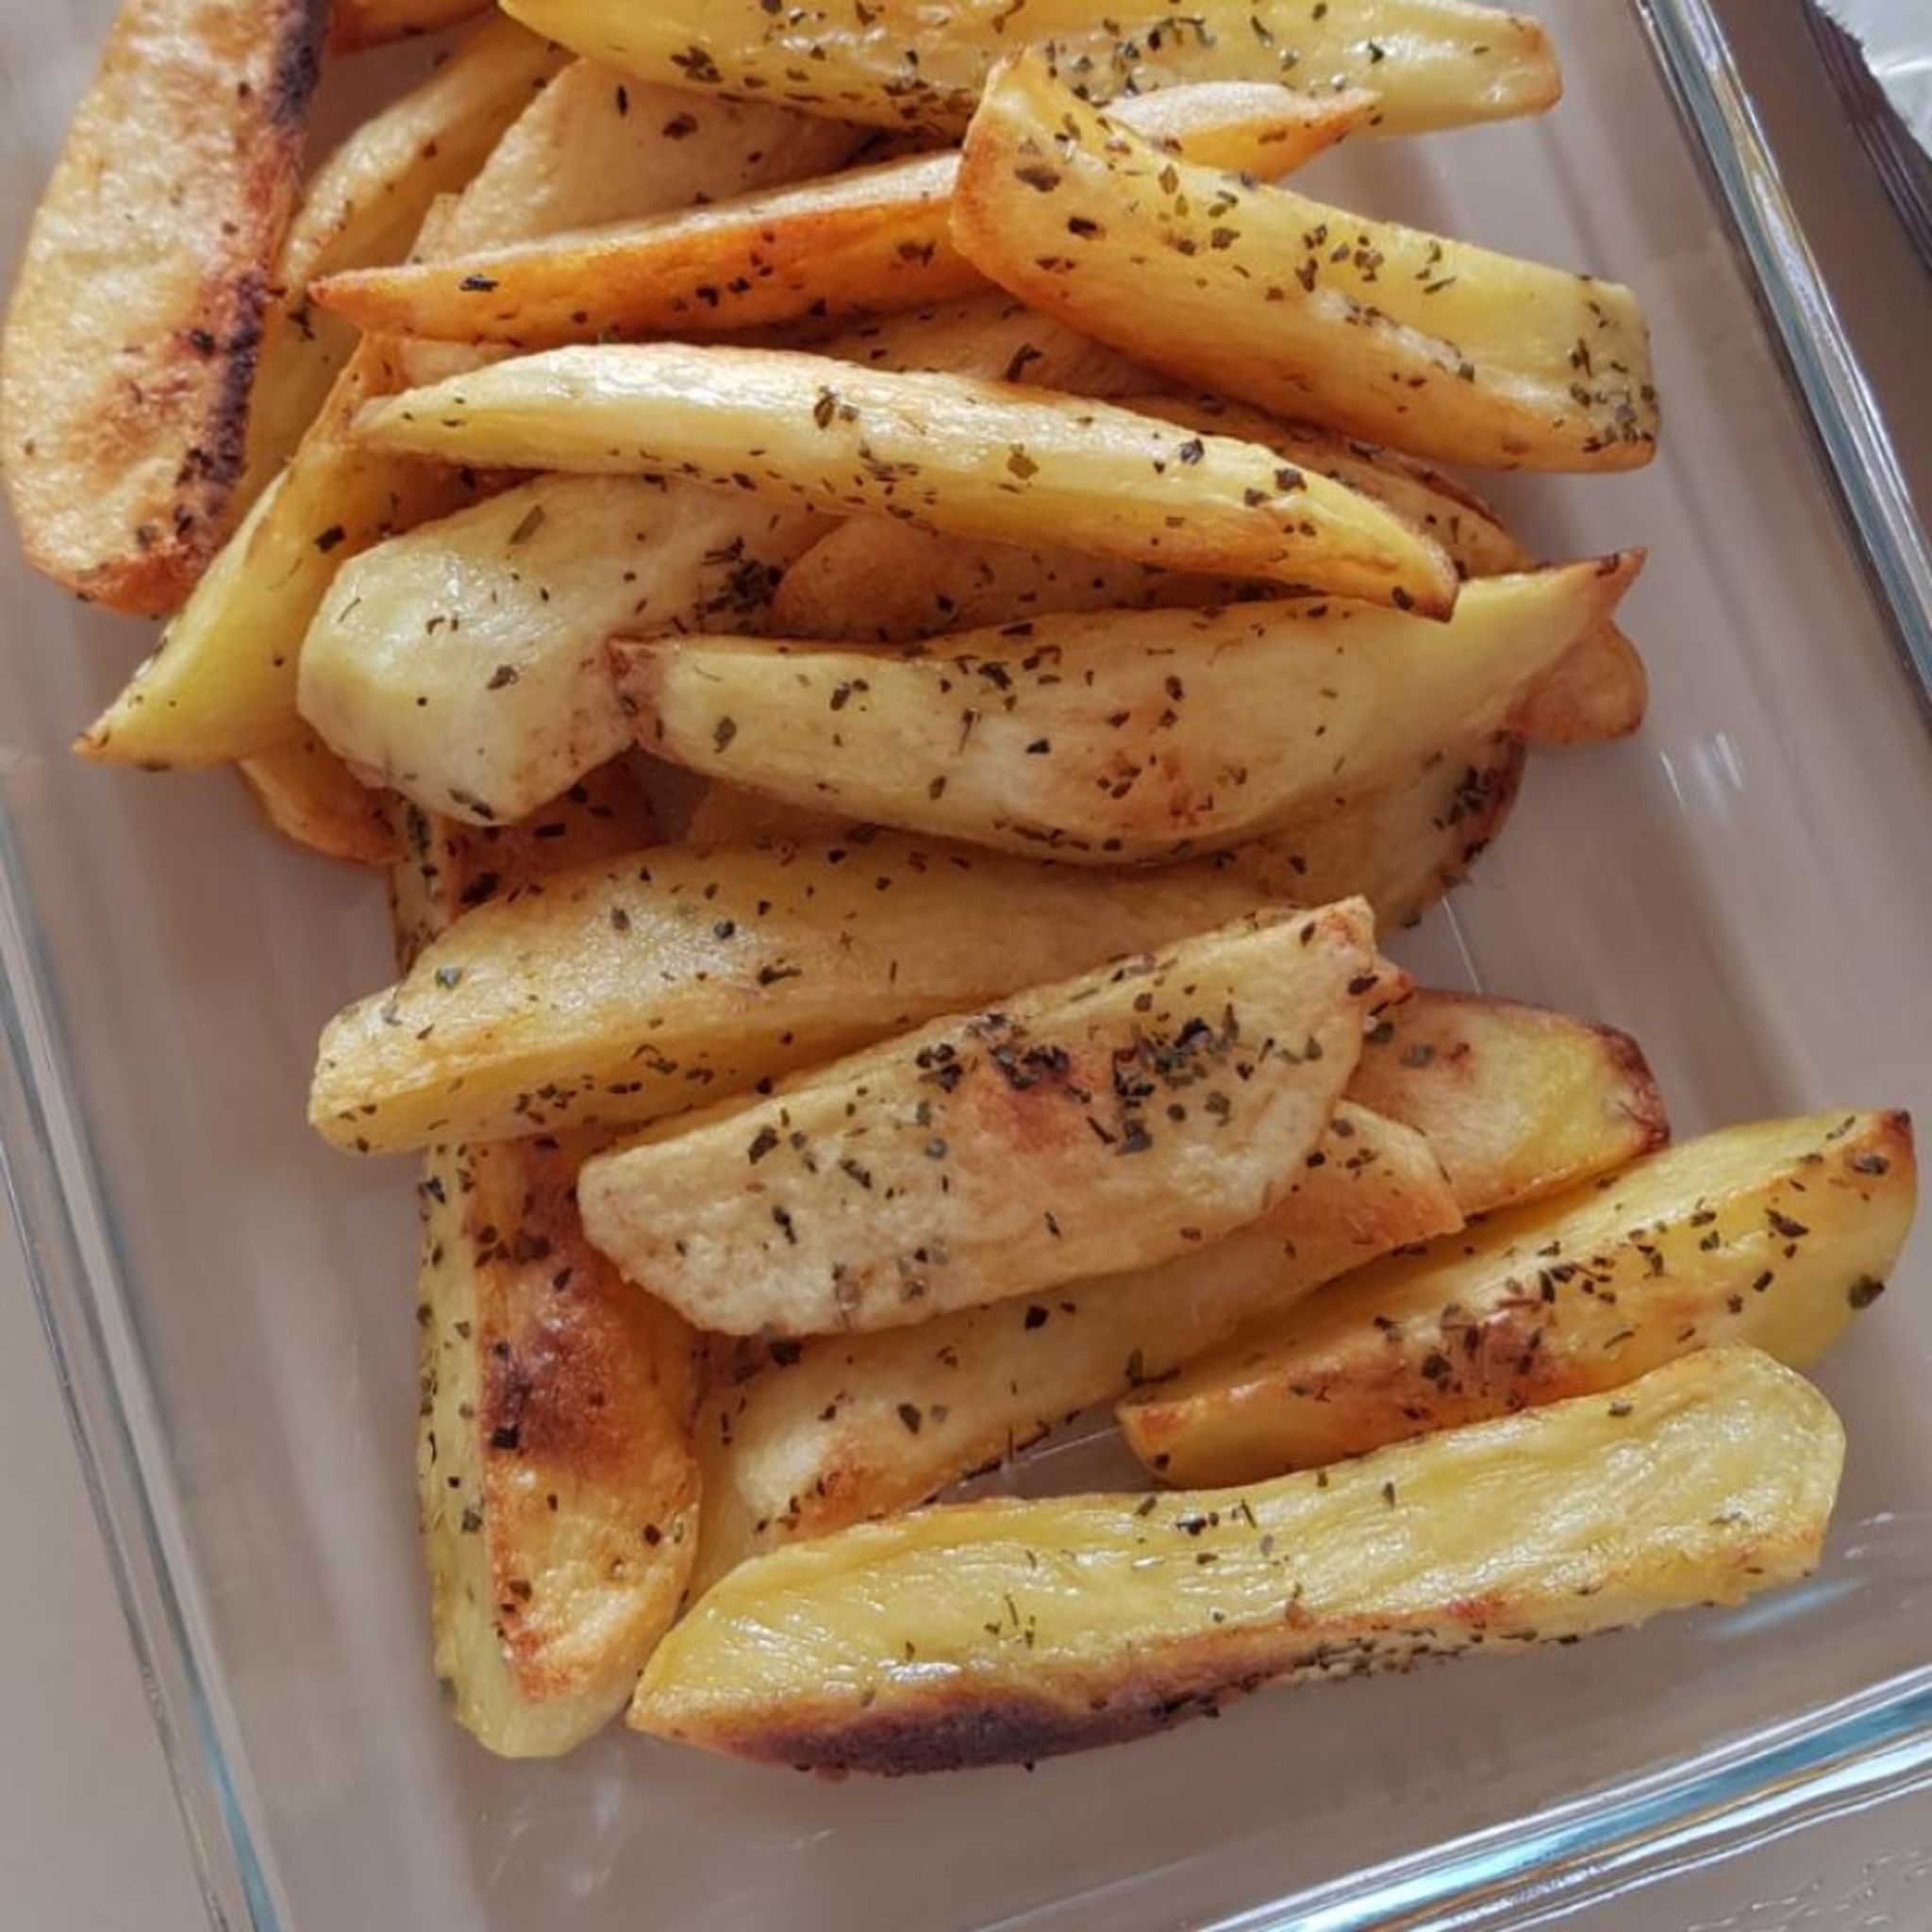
x,y
90,1838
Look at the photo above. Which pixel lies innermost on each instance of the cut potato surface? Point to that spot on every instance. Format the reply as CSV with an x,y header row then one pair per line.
x,y
1413,339
984,459
1107,739
1773,1234
1006,1631
1436,63
1105,1123
632,990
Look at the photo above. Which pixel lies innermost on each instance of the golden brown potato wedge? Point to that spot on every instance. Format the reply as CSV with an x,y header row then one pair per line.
x,y
822,1439
1438,63
994,338
1006,1631
1518,1101
558,1483
872,239
1105,1123
983,459
1424,344
358,23
1772,1234
1108,739
132,340
310,796
464,663
630,991
365,205
221,685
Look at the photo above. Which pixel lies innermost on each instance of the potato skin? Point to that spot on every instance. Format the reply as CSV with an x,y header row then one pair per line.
x,y
132,338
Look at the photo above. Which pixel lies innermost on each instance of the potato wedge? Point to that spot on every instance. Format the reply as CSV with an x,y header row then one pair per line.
x,y
630,991
465,664
871,239
130,344
1108,739
991,337
365,205
557,1478
1438,63
221,685
984,459
1105,1123
1773,1234
1424,344
1005,1631
358,23
310,797
820,1438
1518,1102
832,1431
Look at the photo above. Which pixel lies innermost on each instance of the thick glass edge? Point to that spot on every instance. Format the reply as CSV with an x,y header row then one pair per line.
x,y
1695,55
68,1257
1864,1751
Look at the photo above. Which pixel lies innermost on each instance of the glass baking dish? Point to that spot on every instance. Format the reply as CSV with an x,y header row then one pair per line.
x,y
1743,887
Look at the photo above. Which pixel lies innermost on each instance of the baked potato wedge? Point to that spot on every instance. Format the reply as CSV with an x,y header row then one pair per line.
x,y
312,798
1108,739
991,337
130,347
821,1437
1424,344
1005,1631
557,1478
354,25
628,990
365,205
221,684
1518,1102
981,460
1772,1234
1438,63
464,663
871,239
1102,1123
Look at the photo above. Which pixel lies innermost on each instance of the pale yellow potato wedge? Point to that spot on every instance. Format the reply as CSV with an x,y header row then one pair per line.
x,y
596,148
356,24
1006,1631
872,239
1109,739
1518,1101
464,663
874,580
812,1435
995,339
1105,1123
221,685
630,991
364,206
312,798
1438,63
130,352
557,1478
820,1438
1401,847
984,459
1772,1234
1424,344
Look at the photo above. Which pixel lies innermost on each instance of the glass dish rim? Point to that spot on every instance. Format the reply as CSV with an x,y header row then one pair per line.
x,y
1860,1750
